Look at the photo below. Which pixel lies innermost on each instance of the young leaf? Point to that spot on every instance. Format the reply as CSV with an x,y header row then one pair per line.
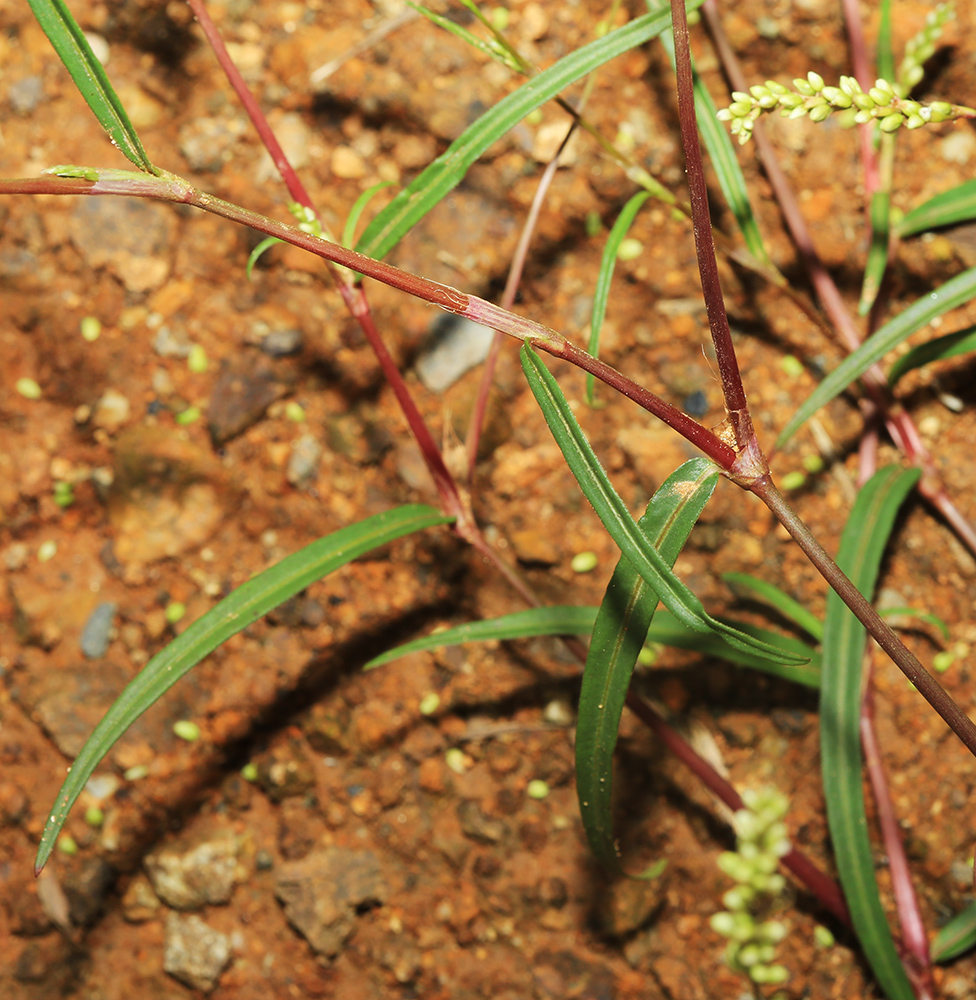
x,y
775,598
607,264
956,937
90,78
446,172
612,511
953,293
948,346
946,209
245,605
266,244
862,545
559,619
618,635
877,260
352,220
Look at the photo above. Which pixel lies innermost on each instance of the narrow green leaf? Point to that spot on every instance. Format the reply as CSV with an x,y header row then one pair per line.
x,y
665,630
352,220
922,616
245,605
948,346
955,292
618,636
721,151
492,49
955,205
266,244
612,511
956,937
776,598
559,619
885,53
447,171
877,260
607,264
862,546
90,78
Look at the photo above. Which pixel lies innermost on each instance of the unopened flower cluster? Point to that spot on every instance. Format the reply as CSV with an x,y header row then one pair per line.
x,y
812,98
760,843
922,47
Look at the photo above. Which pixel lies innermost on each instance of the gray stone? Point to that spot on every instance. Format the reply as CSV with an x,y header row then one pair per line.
x,y
457,345
280,343
97,633
193,952
478,826
322,891
25,94
245,388
303,462
206,873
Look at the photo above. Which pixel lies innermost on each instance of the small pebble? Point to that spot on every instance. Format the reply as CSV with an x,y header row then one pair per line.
x,y
47,551
430,703
175,611
281,343
537,789
584,562
28,388
303,462
91,328
186,730
96,634
630,249
196,360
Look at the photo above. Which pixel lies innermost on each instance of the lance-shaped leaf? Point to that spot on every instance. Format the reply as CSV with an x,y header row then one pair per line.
x,y
946,209
618,635
955,292
235,612
955,937
950,345
623,529
448,170
665,630
90,78
862,546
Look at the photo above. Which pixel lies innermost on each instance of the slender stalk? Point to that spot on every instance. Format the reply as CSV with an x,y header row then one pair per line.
x,y
904,659
909,915
827,891
718,322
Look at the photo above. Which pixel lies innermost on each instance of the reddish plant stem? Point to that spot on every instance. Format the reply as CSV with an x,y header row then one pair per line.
x,y
899,424
916,957
861,64
718,322
827,891
508,300
904,659
452,501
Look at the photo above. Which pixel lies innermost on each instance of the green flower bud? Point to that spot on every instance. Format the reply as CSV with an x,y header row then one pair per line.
x,y
863,101
863,117
776,88
723,115
816,81
885,88
796,112
880,96
820,113
803,87
791,100
740,108
738,95
837,97
914,121
850,86
891,123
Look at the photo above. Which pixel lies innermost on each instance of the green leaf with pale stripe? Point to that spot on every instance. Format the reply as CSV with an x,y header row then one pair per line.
x,y
949,346
448,170
955,292
612,511
771,594
90,78
946,209
235,612
862,547
619,634
955,937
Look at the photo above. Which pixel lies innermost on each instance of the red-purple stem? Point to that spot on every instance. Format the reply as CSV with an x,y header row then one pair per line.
x,y
827,891
916,943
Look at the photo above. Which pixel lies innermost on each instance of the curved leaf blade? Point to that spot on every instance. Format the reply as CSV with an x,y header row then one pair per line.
x,y
956,937
770,594
557,619
411,204
245,605
862,546
665,630
618,635
955,292
605,276
612,511
90,78
948,346
946,209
